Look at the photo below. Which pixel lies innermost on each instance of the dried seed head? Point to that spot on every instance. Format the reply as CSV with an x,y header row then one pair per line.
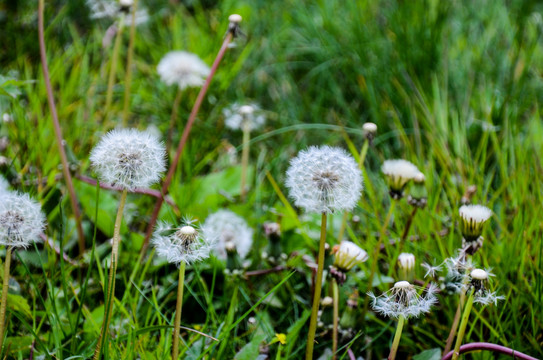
x,y
240,117
324,179
235,18
231,232
182,68
21,220
482,295
404,300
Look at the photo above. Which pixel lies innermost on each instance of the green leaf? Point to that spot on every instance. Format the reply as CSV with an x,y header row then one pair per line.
x,y
431,354
19,303
250,350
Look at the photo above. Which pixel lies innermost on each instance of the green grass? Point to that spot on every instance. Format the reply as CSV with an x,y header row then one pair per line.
x,y
454,87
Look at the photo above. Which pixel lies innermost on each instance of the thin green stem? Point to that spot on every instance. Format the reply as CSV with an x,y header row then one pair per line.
x,y
397,337
244,160
4,303
317,293
128,70
463,324
457,315
113,67
111,280
178,308
335,295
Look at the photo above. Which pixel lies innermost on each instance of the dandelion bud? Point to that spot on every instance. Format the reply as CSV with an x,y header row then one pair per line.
x,y
398,173
324,179
233,27
273,233
406,263
129,159
472,219
327,301
418,195
370,129
346,255
21,220
404,300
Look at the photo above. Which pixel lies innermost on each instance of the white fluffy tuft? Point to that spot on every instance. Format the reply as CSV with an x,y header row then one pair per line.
x,y
182,68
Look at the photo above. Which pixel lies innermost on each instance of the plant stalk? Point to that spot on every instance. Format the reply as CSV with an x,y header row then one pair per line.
x,y
457,315
178,308
244,160
397,336
58,131
184,138
4,303
317,293
113,67
335,295
128,70
477,346
463,324
111,280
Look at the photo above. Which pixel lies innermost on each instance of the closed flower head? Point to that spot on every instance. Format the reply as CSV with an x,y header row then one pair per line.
x,y
472,219
240,117
182,68
324,179
231,232
186,243
347,254
129,158
404,300
398,173
406,261
21,220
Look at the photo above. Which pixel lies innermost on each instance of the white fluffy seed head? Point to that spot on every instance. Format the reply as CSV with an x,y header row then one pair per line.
x,y
406,261
347,255
404,300
21,220
324,179
126,3
235,18
472,219
238,117
182,68
230,230
479,274
105,9
186,243
129,158
398,173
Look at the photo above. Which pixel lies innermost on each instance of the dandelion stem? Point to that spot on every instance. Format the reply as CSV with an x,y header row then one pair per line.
x,y
58,131
3,304
335,295
184,138
178,308
457,316
113,67
490,347
244,160
317,293
173,117
111,280
128,70
397,336
463,324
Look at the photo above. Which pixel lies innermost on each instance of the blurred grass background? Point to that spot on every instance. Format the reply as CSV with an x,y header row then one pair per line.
x,y
454,87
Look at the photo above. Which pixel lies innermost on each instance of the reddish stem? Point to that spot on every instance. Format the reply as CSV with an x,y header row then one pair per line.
x,y
489,347
184,137
150,192
58,131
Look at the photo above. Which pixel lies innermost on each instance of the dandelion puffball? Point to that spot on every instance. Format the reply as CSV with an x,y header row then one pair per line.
x,y
21,220
186,243
404,300
230,231
182,68
129,158
239,117
324,179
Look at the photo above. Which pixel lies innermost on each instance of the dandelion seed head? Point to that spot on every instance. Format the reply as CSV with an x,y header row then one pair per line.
x,y
347,254
129,158
324,179
108,9
472,219
479,274
369,127
21,220
482,295
406,261
238,116
231,232
186,243
182,68
404,300
398,173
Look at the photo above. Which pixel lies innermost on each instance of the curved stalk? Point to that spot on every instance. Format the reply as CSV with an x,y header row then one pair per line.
x,y
173,117
317,293
177,322
110,296
3,304
490,347
397,337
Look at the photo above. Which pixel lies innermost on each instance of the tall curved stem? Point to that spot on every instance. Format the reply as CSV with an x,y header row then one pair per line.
x,y
177,322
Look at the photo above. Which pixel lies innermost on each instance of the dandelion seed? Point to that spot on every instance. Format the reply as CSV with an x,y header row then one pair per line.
x,y
239,117
324,179
129,158
182,68
404,300
398,173
185,243
231,233
21,220
430,269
